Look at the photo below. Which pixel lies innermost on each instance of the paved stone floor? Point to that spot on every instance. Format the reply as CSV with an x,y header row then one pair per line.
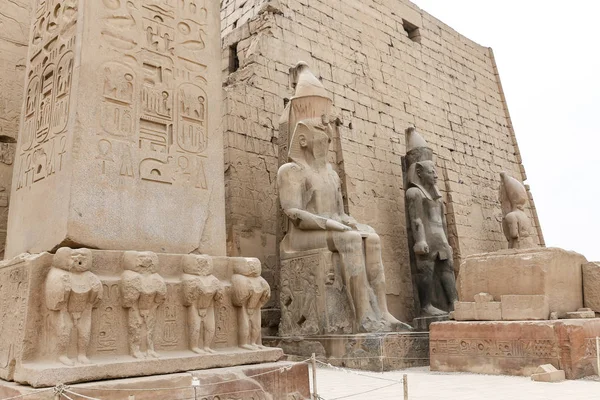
x,y
424,385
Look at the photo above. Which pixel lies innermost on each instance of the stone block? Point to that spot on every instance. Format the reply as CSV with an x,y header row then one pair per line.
x,y
120,145
523,307
137,307
548,373
482,311
370,351
422,324
551,272
280,380
581,313
483,298
515,348
591,285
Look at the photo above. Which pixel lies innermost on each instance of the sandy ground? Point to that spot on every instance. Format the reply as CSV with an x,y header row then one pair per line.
x,y
424,385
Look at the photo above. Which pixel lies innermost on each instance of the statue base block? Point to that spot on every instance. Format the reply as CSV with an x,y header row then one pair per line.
x,y
46,305
370,352
515,348
281,380
421,324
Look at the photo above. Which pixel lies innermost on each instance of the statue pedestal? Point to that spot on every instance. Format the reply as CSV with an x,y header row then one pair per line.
x,y
515,348
29,332
550,272
422,324
370,351
282,380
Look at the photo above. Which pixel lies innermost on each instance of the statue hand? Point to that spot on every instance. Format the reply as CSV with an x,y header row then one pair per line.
x,y
336,226
421,248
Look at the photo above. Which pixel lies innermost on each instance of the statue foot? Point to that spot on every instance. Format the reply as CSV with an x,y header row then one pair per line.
x,y
66,360
209,350
432,311
83,359
153,354
138,354
247,347
197,350
368,325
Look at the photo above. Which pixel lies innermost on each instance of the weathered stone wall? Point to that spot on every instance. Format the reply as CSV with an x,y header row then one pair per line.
x,y
387,65
14,32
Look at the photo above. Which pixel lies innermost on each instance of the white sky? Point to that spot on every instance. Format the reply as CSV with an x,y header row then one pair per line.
x,y
548,54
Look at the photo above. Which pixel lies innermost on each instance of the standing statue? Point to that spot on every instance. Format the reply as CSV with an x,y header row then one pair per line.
x,y
142,291
71,293
200,291
515,223
311,197
427,216
250,293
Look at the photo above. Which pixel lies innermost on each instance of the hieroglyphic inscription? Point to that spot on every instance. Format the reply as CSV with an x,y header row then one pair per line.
x,y
48,94
13,304
522,348
299,296
154,106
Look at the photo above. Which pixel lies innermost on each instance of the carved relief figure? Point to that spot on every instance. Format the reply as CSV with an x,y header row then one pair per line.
x,y
200,291
427,216
71,292
515,223
142,291
250,293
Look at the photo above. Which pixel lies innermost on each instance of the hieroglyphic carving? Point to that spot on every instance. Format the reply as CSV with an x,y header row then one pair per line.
x,y
71,292
13,308
158,64
521,348
142,291
109,323
250,292
299,296
48,94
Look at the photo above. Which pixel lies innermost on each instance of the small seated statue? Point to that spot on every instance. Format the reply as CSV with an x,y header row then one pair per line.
x,y
71,292
250,292
427,216
311,197
200,291
515,223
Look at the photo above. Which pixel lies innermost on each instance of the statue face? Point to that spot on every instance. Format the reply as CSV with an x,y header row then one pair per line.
x,y
142,261
67,259
197,265
318,145
427,173
81,260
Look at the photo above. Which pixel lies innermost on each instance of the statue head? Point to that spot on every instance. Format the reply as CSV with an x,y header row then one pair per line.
x,y
140,261
248,267
311,137
427,173
513,195
73,260
197,265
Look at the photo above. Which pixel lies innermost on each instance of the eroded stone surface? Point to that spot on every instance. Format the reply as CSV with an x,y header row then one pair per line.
x,y
120,144
84,315
515,348
550,272
528,307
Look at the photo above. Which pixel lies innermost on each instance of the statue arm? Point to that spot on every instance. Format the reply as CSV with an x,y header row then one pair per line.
x,y
289,184
415,212
444,222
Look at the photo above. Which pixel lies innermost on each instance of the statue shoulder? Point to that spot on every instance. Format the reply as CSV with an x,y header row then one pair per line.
x,y
414,193
290,168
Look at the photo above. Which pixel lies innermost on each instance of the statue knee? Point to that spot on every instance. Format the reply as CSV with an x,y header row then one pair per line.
x,y
373,241
351,241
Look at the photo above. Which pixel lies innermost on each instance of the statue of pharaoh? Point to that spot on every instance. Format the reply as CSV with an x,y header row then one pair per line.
x,y
311,197
427,216
515,223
